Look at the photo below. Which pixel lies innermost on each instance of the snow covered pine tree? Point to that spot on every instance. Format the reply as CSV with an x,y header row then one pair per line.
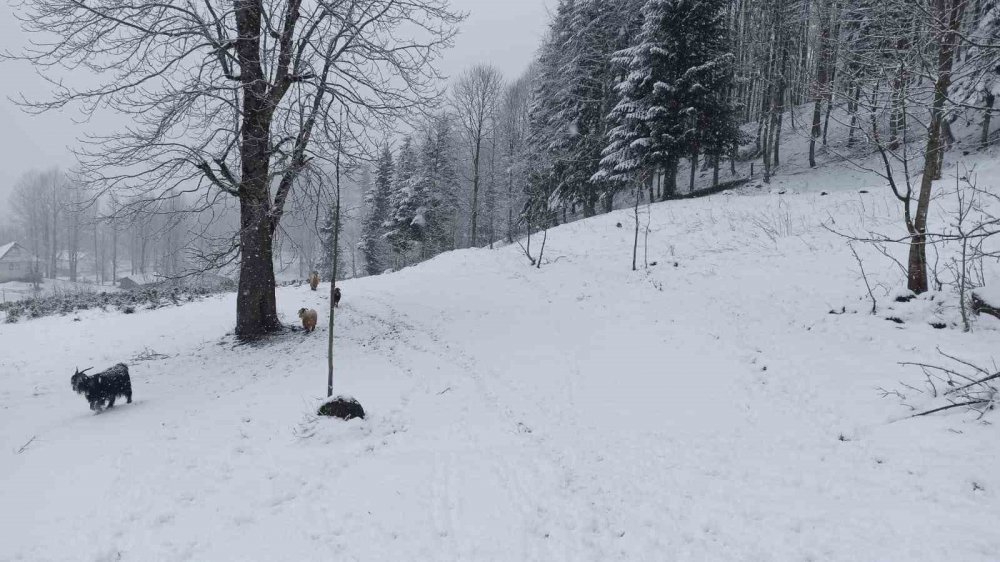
x,y
372,243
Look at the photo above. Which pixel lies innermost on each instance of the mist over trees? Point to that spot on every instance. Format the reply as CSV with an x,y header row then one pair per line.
x,y
623,97
74,235
235,100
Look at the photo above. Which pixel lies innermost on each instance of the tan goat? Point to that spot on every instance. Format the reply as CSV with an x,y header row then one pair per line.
x,y
309,318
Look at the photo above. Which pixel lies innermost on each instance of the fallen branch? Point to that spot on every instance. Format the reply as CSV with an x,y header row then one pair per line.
x,y
26,445
950,406
944,370
974,383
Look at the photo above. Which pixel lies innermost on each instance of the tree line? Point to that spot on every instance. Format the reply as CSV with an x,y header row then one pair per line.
x,y
456,180
249,108
624,94
77,237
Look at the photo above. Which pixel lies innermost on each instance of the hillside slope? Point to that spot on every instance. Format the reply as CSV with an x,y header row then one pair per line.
x,y
706,408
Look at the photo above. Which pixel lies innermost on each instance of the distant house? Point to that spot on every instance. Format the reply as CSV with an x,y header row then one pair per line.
x,y
139,281
16,263
64,262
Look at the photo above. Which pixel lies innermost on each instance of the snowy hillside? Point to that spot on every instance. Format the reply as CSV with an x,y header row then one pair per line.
x,y
707,408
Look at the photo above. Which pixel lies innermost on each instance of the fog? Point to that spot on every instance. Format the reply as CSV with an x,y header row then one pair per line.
x,y
505,34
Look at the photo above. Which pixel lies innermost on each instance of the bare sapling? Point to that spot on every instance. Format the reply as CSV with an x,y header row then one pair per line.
x,y
645,238
333,275
635,241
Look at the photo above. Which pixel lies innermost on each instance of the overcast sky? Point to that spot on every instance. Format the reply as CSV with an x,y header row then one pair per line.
x,y
503,32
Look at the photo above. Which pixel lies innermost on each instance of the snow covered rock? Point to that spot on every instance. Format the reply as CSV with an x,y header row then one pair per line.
x,y
343,407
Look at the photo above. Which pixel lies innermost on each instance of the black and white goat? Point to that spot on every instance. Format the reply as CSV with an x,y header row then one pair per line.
x,y
103,387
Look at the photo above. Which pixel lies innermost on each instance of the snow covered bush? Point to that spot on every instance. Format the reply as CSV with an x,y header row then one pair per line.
x,y
126,302
12,316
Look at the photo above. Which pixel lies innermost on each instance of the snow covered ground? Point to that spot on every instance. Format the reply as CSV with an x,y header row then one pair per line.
x,y
706,408
17,290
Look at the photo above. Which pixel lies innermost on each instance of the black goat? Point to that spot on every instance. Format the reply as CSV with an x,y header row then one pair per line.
x,y
336,296
103,387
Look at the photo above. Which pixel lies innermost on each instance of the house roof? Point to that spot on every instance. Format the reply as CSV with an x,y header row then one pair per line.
x,y
6,248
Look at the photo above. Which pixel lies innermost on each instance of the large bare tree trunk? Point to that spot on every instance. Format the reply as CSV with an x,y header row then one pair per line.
x,y
256,308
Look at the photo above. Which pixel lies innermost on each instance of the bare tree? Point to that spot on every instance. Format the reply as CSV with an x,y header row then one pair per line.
x,y
233,99
824,75
945,21
38,202
74,208
475,98
514,128
338,171
27,205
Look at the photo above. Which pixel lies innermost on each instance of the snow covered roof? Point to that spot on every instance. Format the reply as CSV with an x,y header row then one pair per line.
x,y
6,248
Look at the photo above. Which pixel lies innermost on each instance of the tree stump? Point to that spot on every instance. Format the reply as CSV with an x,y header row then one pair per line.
x,y
343,407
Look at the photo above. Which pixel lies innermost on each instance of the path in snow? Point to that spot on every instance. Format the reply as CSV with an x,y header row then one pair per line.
x,y
577,412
